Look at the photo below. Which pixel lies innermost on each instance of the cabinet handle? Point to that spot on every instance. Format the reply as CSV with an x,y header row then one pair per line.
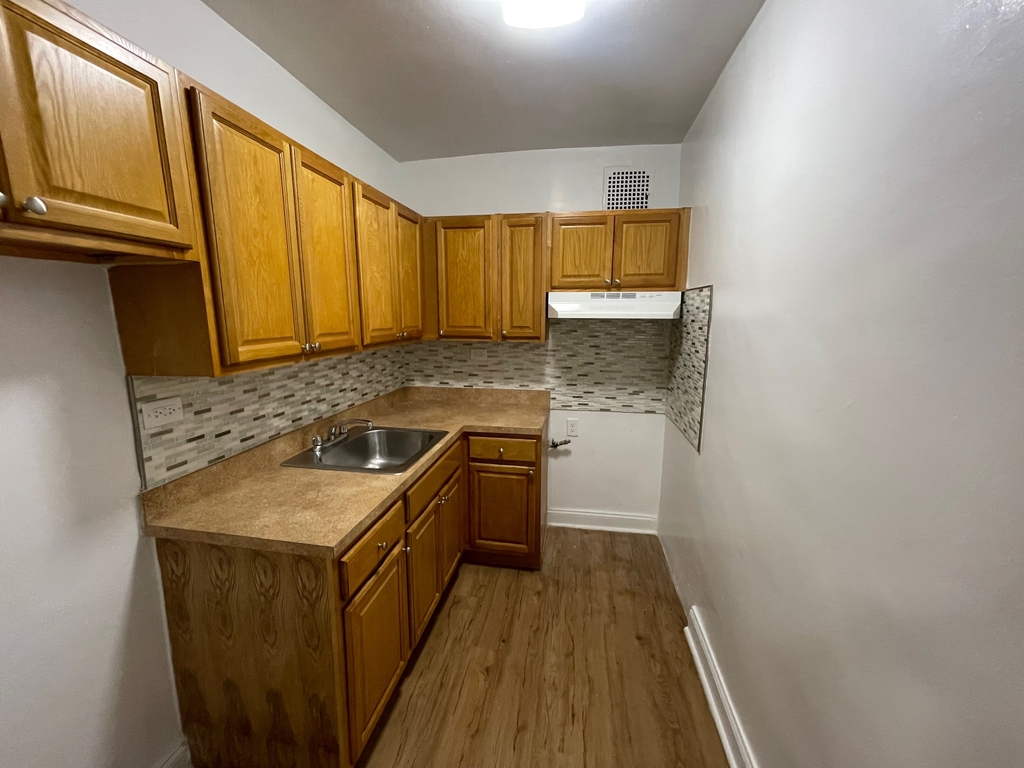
x,y
607,281
407,549
504,334
440,333
307,348
3,200
618,282
317,346
501,452
530,473
35,205
383,546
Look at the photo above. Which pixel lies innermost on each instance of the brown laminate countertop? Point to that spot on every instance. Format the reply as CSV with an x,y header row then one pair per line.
x,y
251,501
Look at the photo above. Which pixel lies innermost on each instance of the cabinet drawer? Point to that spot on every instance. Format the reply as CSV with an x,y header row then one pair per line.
x,y
423,492
503,449
363,558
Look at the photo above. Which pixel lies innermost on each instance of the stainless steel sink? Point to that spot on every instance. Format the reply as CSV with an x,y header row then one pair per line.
x,y
381,450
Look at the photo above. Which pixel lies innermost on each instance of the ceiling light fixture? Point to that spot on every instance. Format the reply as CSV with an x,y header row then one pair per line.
x,y
541,14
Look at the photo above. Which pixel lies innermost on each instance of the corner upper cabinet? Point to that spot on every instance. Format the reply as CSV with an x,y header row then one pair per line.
x,y
467,277
378,268
647,254
581,251
523,315
327,250
409,254
246,172
91,133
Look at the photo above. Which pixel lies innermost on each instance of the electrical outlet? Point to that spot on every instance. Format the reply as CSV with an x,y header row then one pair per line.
x,y
572,427
160,413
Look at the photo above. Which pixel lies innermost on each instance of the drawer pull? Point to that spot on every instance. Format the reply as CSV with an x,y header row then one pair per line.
x,y
383,546
501,452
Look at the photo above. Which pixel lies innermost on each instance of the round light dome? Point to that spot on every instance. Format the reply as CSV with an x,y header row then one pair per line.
x,y
541,14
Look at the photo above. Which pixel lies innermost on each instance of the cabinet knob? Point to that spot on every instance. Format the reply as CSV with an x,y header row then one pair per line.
x,y
407,549
607,282
317,346
3,200
530,473
618,282
306,348
35,205
504,334
383,546
501,452
440,333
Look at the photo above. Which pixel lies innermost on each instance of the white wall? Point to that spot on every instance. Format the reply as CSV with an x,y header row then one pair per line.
x,y
610,475
534,181
188,35
853,530
85,674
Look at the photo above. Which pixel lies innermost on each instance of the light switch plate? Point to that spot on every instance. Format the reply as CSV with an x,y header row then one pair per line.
x,y
160,413
572,427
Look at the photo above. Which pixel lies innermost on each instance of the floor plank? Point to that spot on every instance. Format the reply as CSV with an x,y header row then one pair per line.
x,y
582,665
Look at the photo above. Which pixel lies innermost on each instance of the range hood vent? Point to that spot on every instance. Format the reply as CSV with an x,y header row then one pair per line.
x,y
616,306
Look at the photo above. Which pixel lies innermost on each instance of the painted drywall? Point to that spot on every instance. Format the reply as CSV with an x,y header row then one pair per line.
x,y
853,529
558,180
610,475
188,35
85,676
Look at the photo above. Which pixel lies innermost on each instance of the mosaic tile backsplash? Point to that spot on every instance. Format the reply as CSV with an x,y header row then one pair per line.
x,y
596,365
689,364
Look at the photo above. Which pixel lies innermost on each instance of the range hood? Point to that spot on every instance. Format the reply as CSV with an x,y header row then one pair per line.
x,y
660,305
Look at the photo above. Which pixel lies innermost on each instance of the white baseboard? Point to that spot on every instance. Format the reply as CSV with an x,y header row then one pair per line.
x,y
179,758
621,522
730,729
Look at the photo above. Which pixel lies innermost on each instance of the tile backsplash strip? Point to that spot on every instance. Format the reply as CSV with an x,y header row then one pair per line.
x,y
689,364
598,365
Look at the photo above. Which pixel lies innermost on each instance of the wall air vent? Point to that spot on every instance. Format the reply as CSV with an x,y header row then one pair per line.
x,y
626,189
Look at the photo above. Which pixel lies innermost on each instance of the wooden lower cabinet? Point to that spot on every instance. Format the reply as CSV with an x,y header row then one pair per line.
x,y
505,505
422,542
376,647
452,515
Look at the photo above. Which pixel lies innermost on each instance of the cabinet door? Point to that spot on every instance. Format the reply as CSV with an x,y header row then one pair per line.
x,y
424,573
647,250
503,509
378,276
410,272
327,249
452,514
522,278
247,175
91,127
467,277
581,252
376,642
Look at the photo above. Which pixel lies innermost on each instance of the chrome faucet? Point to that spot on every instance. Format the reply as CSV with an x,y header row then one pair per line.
x,y
341,430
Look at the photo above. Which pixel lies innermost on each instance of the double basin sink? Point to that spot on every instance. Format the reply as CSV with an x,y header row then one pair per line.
x,y
380,450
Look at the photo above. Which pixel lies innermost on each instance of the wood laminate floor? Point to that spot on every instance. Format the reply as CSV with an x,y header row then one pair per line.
x,y
581,664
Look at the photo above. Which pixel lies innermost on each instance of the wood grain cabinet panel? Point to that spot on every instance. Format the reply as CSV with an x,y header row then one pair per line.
x,y
247,174
409,252
523,309
467,276
581,251
378,268
503,509
422,542
452,525
646,250
376,647
327,250
90,125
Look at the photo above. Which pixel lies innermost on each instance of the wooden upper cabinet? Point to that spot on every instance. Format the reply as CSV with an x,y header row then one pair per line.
x,y
327,249
90,126
409,252
523,296
246,170
378,267
647,250
467,277
581,251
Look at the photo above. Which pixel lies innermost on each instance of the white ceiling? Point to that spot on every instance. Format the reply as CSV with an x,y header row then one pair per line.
x,y
442,78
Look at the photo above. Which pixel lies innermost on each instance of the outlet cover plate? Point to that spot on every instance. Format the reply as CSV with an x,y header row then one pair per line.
x,y
572,427
160,413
